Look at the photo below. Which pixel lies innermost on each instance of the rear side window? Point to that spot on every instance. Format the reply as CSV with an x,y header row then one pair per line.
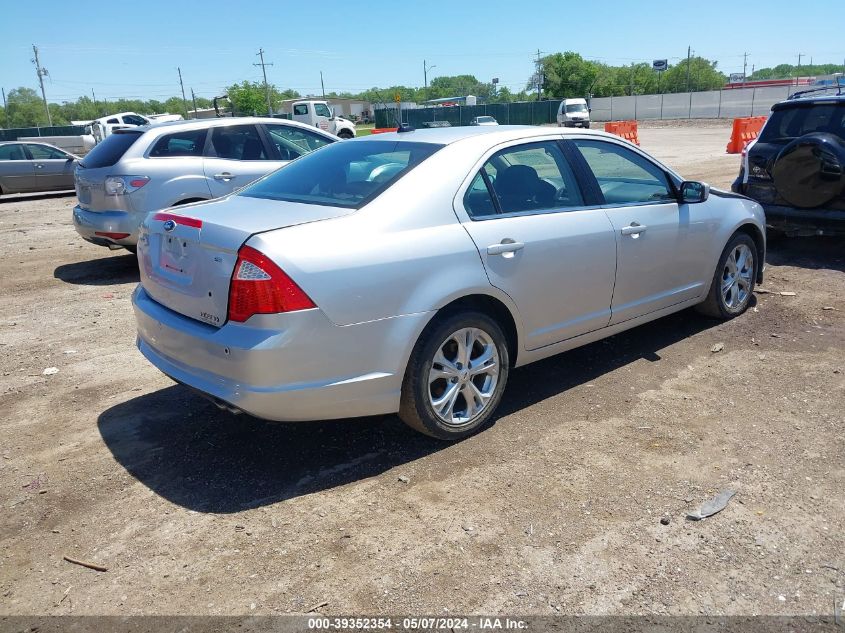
x,y
188,143
342,174
786,124
110,150
134,119
524,178
12,152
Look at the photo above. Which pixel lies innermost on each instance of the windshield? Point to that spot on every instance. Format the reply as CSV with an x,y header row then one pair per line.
x,y
576,107
485,119
346,174
786,124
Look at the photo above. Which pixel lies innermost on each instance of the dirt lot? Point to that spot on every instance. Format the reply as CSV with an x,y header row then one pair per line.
x,y
555,509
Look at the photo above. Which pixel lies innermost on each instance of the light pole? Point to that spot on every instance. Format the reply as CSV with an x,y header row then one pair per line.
x,y
425,73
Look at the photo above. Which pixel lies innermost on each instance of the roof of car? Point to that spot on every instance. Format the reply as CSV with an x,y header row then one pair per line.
x,y
498,133
810,98
203,123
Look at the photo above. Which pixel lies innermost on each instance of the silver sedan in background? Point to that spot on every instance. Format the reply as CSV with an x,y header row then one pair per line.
x,y
410,272
31,167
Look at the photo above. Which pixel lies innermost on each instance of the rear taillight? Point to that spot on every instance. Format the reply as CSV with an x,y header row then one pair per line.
x,y
260,287
121,185
184,220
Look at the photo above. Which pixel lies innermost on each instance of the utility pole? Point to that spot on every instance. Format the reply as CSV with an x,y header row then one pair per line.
x,y
94,97
184,100
539,79
798,70
260,53
689,53
5,107
744,67
322,85
41,72
194,99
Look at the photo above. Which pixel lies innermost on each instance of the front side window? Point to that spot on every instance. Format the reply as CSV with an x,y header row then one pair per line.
x,y
187,143
113,122
238,142
342,174
624,176
12,152
42,152
292,142
524,178
302,108
321,109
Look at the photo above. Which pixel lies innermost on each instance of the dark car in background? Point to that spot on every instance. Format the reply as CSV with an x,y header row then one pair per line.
x,y
796,167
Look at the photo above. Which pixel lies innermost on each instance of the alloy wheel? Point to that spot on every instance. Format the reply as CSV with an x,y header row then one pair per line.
x,y
737,277
463,376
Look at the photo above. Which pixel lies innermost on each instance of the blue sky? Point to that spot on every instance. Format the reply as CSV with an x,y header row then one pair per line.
x,y
121,49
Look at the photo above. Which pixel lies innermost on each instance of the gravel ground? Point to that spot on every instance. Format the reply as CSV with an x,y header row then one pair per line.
x,y
555,509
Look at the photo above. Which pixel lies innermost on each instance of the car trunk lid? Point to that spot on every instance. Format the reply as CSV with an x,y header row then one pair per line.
x,y
187,258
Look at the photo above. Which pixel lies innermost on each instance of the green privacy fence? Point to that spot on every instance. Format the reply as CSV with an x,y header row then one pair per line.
x,y
518,113
14,134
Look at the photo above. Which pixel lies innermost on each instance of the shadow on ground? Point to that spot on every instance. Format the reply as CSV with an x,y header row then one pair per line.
x,y
186,450
29,197
807,252
105,271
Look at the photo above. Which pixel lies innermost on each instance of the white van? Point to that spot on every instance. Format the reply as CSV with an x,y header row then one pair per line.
x,y
573,113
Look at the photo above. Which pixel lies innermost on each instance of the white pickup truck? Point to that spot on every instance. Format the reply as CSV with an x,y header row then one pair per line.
x,y
319,114
101,128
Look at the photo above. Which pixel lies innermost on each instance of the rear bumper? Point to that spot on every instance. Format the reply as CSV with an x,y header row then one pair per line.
x,y
89,223
584,124
794,221
302,368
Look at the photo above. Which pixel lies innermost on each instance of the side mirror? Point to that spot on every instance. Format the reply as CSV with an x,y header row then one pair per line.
x,y
692,191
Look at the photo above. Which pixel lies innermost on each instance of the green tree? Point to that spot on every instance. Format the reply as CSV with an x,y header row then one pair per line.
x,y
26,108
249,97
788,71
568,75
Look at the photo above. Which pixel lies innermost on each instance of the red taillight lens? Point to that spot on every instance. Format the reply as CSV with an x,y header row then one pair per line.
x,y
114,236
260,287
138,181
184,220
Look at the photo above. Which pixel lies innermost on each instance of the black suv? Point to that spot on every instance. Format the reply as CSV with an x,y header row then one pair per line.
x,y
796,167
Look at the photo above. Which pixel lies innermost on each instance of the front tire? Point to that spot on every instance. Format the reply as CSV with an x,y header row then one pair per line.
x,y
345,134
733,282
455,377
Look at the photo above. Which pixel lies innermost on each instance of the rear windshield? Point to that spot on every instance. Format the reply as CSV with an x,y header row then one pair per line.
x,y
786,124
110,150
347,174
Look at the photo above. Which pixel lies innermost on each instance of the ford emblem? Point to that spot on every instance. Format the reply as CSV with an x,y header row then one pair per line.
x,y
169,225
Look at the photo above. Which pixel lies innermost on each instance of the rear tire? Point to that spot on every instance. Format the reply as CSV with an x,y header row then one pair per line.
x,y
733,281
455,377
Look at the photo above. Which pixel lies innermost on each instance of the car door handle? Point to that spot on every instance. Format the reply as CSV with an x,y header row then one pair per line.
x,y
39,166
505,246
225,176
634,229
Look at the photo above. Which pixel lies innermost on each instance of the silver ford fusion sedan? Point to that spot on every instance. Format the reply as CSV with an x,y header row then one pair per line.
x,y
411,271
